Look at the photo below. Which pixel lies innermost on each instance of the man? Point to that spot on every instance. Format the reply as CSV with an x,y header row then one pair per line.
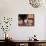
x,y
30,20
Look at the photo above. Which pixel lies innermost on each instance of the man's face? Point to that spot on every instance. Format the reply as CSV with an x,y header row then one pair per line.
x,y
20,22
30,20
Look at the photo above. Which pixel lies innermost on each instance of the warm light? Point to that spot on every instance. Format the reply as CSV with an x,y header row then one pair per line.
x,y
6,35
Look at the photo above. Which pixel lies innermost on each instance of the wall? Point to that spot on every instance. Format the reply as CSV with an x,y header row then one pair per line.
x,y
11,8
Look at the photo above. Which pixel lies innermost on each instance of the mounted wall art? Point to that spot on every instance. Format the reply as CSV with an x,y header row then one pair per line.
x,y
26,20
5,25
36,3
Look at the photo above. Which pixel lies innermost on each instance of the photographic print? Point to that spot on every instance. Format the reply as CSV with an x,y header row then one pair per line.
x,y
26,20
